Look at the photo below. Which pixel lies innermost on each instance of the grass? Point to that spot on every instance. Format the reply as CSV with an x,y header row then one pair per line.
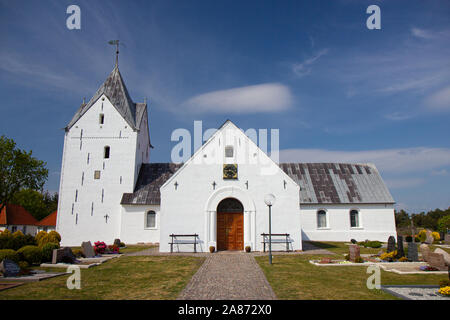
x,y
342,248
129,248
293,277
140,277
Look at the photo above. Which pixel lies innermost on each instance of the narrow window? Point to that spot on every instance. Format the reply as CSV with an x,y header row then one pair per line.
x,y
150,221
88,158
82,178
103,194
106,154
321,219
76,195
101,119
354,218
76,218
229,151
72,208
120,179
92,209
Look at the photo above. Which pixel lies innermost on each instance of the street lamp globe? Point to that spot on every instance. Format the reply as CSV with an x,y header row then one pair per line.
x,y
269,199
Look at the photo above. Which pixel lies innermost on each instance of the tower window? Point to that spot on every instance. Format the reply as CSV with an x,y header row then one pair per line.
x,y
97,174
106,153
101,119
322,219
229,151
354,218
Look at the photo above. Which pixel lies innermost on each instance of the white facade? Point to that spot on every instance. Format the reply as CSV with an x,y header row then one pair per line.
x,y
93,185
89,209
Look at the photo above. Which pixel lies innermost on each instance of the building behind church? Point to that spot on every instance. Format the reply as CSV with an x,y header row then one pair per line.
x,y
110,189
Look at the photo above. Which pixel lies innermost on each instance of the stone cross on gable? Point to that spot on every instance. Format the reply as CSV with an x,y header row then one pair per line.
x,y
106,216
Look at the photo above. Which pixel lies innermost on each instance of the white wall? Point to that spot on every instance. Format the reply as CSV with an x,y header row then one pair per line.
x,y
377,222
117,175
190,208
29,229
133,229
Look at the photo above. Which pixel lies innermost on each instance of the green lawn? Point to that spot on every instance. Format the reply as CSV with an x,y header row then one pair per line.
x,y
341,247
293,277
140,277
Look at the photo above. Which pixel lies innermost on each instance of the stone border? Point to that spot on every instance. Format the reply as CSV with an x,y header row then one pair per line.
x,y
9,285
32,278
102,259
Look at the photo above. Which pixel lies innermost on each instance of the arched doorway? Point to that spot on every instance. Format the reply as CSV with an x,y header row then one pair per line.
x,y
230,225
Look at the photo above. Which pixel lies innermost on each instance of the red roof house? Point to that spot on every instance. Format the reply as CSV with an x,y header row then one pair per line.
x,y
13,214
48,221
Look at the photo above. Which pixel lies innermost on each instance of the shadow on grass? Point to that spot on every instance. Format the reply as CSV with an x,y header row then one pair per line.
x,y
321,245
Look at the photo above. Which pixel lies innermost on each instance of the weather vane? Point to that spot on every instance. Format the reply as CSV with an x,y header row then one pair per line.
x,y
116,43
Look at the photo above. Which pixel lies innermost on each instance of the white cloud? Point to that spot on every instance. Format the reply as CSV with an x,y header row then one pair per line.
x,y
386,160
304,68
442,172
439,100
421,33
268,97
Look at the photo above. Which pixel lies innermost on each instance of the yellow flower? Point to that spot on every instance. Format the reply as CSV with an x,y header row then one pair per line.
x,y
445,291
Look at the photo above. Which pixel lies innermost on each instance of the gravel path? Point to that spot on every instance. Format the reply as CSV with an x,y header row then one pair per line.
x,y
228,276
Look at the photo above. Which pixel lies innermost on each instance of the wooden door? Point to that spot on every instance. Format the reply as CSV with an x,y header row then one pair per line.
x,y
230,231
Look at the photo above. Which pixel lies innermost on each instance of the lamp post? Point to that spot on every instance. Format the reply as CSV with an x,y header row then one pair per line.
x,y
269,200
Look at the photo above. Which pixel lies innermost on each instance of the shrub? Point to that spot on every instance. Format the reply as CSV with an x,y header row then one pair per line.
x,y
347,257
248,249
436,236
78,253
422,235
372,244
30,254
212,249
122,244
99,247
113,248
444,223
416,239
54,237
29,240
39,236
388,256
408,238
23,265
9,254
5,238
359,260
18,240
47,251
403,259
444,283
353,241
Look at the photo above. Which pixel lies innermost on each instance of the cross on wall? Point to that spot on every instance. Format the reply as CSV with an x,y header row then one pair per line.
x,y
106,216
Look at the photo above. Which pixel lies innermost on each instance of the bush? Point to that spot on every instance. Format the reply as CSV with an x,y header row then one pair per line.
x,y
47,251
18,240
408,238
5,238
39,236
436,236
99,247
9,254
29,240
416,239
23,265
78,253
444,283
403,259
30,254
444,224
54,237
422,235
113,248
353,241
359,260
347,257
372,244
122,244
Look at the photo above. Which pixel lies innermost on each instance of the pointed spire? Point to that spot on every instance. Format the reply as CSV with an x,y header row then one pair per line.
x,y
116,43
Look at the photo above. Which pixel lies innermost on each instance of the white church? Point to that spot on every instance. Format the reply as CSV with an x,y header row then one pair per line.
x,y
110,189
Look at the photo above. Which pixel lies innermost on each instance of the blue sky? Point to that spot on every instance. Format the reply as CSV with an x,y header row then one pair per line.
x,y
336,90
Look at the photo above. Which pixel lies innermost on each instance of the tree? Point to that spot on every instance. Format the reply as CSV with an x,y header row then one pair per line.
x,y
18,170
402,219
444,224
32,201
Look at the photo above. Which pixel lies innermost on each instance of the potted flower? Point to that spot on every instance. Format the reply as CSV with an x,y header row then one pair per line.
x,y
248,249
212,249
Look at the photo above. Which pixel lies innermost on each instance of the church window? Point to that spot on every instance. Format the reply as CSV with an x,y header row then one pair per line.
x,y
88,158
103,194
82,178
229,151
107,151
97,174
92,209
101,119
76,195
150,219
321,219
354,218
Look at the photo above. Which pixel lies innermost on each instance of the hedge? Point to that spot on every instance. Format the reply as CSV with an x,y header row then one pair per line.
x,y
9,254
30,254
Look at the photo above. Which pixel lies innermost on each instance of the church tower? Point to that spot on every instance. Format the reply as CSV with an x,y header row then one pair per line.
x,y
105,144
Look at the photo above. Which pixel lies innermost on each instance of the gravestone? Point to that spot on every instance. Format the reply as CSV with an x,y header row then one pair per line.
x,y
63,255
447,238
87,249
429,239
400,251
353,252
413,255
445,254
390,244
437,261
425,250
9,268
117,242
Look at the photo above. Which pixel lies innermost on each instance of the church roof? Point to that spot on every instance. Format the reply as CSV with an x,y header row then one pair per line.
x,y
116,91
327,183
336,183
151,177
13,214
49,220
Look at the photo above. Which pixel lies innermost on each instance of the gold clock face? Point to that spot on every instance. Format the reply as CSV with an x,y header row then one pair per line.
x,y
230,171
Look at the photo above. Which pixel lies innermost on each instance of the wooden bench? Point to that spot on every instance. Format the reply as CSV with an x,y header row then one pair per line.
x,y
277,239
182,241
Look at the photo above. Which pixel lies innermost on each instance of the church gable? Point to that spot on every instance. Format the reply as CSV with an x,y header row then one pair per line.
x,y
115,90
